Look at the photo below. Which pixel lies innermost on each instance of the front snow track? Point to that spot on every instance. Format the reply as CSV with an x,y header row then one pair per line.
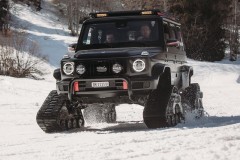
x,y
167,106
56,114
163,108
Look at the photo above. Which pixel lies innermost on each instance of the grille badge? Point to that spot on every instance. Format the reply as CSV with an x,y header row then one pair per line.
x,y
101,69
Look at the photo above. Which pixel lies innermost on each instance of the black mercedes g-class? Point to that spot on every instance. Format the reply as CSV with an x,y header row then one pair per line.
x,y
123,57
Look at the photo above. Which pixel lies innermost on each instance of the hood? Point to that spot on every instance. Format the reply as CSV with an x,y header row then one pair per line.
x,y
118,52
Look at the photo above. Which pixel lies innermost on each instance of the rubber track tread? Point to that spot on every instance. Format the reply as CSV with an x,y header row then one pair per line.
x,y
157,103
47,116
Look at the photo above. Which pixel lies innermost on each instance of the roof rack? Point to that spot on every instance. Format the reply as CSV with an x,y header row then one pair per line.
x,y
131,13
125,13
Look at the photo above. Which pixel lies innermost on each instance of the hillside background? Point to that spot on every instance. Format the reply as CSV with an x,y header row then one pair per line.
x,y
34,37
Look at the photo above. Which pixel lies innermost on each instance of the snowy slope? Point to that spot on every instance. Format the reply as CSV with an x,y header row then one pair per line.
x,y
213,137
46,28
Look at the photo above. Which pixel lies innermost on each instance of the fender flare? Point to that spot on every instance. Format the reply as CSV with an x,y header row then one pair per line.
x,y
57,74
158,69
162,72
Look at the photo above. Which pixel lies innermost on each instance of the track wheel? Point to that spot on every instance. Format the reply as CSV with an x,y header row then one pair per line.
x,y
57,114
74,123
63,124
69,124
80,122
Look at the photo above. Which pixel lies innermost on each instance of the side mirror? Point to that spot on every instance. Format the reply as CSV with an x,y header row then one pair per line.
x,y
173,43
72,47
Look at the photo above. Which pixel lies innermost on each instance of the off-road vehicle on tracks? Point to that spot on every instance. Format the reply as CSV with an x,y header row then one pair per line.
x,y
123,57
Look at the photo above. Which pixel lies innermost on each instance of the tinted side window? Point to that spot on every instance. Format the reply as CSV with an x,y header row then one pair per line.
x,y
166,31
87,36
179,34
172,32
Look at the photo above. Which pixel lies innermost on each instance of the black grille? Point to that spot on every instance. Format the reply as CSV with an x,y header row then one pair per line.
x,y
101,67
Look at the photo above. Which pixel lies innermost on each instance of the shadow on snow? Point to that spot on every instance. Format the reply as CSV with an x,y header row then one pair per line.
x,y
139,126
238,80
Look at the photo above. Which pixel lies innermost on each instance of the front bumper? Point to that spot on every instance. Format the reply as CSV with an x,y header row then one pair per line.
x,y
118,87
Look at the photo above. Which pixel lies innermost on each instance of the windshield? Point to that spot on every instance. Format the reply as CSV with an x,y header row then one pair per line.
x,y
120,33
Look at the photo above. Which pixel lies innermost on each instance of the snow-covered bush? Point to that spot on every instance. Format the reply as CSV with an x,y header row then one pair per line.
x,y
20,56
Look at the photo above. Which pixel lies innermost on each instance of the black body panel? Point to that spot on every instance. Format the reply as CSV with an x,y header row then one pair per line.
x,y
128,85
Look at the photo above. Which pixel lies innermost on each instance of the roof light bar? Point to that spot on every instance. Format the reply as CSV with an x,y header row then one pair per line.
x,y
101,15
130,13
146,12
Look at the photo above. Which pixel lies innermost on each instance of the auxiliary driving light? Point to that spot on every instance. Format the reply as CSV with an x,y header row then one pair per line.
x,y
117,68
81,69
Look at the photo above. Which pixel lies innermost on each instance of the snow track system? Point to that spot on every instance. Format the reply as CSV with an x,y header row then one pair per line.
x,y
166,107
56,114
163,108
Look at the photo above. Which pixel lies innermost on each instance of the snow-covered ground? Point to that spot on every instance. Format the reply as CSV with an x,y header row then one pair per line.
x,y
216,136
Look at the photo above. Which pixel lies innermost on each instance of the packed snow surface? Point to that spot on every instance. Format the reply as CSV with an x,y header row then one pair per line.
x,y
215,136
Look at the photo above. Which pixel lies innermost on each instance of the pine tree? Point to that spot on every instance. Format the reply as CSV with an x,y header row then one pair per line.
x,y
4,9
202,24
233,25
144,4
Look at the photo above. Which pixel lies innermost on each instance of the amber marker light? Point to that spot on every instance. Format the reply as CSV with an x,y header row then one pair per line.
x,y
101,15
146,12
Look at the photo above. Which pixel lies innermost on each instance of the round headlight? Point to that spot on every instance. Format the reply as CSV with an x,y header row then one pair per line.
x,y
68,68
117,68
139,65
80,69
